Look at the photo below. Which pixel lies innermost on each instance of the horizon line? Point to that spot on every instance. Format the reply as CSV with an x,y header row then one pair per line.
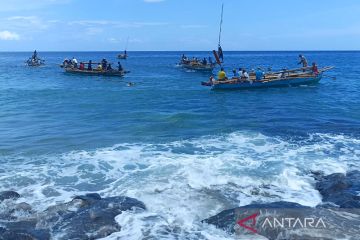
x,y
19,51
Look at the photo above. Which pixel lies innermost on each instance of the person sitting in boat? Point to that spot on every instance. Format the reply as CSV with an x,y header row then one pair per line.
x,y
222,75
236,74
245,75
82,66
104,63
240,72
315,69
259,74
303,61
65,63
120,68
89,68
204,61
99,67
109,68
74,62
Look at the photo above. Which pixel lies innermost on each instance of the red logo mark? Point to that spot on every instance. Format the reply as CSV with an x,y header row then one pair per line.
x,y
243,221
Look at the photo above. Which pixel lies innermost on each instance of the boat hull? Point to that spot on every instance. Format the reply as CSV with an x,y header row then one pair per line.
x,y
287,82
207,68
95,73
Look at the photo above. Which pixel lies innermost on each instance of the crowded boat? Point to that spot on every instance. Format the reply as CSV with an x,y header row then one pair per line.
x,y
242,79
103,68
197,64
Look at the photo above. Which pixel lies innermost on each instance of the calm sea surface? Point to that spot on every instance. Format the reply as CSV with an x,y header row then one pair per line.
x,y
187,152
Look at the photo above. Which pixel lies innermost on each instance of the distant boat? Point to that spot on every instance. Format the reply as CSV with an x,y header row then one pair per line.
x,y
287,78
124,55
35,61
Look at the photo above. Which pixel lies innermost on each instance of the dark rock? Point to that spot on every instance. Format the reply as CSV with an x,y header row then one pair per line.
x,y
261,220
88,215
85,217
8,195
340,189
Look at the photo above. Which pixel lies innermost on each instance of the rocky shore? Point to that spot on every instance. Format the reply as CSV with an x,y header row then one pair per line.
x,y
338,217
91,217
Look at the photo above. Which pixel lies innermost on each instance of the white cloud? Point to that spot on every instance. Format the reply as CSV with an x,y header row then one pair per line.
x,y
9,36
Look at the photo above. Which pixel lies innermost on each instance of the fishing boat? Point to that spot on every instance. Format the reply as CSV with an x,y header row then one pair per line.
x,y
286,78
35,61
197,65
124,55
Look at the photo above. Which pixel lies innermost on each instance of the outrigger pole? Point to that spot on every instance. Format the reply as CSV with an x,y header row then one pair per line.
x,y
219,54
221,22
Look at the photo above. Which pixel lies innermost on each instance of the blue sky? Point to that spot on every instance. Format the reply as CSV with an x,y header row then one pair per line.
x,y
61,25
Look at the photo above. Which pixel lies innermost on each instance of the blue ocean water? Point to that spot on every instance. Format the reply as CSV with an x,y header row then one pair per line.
x,y
187,152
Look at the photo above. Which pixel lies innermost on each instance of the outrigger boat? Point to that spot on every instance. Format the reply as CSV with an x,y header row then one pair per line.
x,y
286,78
69,68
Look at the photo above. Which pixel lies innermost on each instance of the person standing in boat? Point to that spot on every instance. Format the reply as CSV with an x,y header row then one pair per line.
x,y
222,75
220,53
303,61
89,68
34,56
104,64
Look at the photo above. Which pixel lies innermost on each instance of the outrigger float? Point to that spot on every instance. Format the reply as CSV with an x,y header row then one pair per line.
x,y
111,73
286,78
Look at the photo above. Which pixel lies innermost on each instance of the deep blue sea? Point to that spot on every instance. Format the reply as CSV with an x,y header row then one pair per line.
x,y
187,152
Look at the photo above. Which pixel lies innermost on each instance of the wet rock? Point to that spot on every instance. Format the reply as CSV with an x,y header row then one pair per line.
x,y
23,207
340,189
23,230
87,215
9,195
284,220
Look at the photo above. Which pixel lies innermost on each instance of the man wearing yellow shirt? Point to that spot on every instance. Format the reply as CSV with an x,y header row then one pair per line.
x,y
222,75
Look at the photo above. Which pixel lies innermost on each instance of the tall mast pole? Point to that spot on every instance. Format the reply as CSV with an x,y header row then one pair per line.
x,y
221,22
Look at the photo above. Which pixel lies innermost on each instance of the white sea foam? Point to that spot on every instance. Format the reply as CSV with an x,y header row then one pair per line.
x,y
183,182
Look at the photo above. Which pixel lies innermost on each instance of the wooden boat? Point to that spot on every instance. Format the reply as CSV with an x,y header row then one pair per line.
x,y
111,73
35,62
122,56
197,66
295,77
